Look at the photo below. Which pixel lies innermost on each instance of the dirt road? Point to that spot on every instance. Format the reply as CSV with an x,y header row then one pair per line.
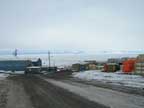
x,y
32,92
113,98
3,93
107,97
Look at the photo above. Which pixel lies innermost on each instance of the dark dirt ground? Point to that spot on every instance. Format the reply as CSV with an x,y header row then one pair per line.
x,y
3,93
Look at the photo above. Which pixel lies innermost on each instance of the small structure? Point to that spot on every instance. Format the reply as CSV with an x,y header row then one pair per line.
x,y
111,67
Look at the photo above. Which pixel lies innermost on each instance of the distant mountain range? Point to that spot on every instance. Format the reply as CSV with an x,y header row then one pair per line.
x,y
123,52
22,52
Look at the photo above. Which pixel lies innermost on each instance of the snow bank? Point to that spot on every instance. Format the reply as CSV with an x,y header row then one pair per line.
x,y
115,78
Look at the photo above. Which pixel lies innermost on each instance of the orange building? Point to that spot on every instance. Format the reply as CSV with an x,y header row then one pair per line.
x,y
129,66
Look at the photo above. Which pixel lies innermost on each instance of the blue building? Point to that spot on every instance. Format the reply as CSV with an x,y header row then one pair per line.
x,y
18,65
14,65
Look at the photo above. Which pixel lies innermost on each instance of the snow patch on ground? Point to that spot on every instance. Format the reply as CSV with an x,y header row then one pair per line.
x,y
114,78
3,76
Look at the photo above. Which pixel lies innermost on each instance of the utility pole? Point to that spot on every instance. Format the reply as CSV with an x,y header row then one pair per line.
x,y
49,59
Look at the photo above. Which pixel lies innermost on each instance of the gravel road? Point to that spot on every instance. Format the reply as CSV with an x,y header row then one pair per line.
x,y
107,97
32,92
58,91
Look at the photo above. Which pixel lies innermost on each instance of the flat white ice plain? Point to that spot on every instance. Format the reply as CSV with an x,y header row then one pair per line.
x,y
114,78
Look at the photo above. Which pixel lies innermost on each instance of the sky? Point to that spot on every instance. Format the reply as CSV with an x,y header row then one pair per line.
x,y
89,25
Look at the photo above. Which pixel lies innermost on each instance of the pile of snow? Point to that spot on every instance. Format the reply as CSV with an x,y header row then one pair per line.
x,y
115,78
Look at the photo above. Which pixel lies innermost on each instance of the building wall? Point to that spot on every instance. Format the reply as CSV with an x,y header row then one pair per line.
x,y
129,66
14,65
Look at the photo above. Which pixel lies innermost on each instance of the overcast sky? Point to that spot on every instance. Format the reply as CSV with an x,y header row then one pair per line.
x,y
89,25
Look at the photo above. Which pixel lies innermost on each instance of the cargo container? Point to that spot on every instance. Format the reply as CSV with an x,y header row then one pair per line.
x,y
111,67
129,66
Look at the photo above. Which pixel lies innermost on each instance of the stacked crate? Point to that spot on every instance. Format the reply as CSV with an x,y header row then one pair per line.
x,y
100,67
79,67
139,66
111,67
